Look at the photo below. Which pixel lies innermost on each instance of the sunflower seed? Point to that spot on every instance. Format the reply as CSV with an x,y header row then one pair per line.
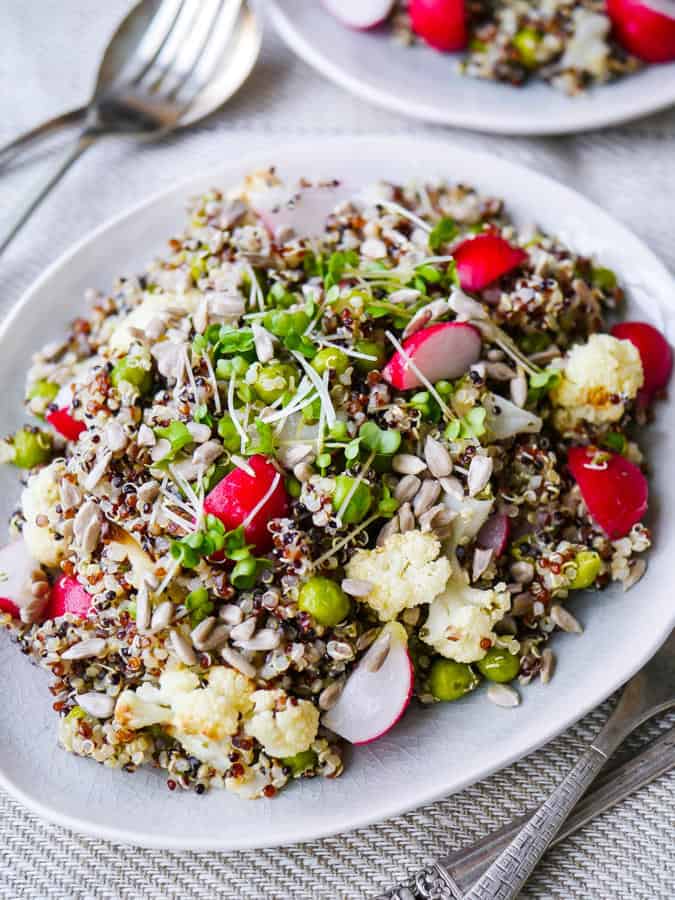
x,y
406,519
244,631
87,527
407,487
86,649
565,620
264,344
407,464
453,487
199,433
637,570
330,695
115,437
162,616
207,453
161,449
376,656
499,371
216,638
404,295
199,634
503,695
146,437
436,517
480,471
265,639
98,705
69,494
143,609
355,587
427,495
231,614
303,471
547,665
437,457
182,649
392,527
518,389
481,560
238,662
297,454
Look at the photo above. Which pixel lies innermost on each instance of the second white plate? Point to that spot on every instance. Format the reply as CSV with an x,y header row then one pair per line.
x,y
424,84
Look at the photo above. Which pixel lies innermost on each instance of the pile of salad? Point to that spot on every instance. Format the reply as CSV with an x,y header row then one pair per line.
x,y
570,44
329,455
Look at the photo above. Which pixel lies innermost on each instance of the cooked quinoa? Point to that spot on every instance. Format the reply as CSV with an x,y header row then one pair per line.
x,y
566,43
214,629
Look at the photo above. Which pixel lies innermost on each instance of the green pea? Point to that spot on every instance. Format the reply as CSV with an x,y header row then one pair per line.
x,y
306,759
273,380
229,435
330,358
32,447
312,412
603,278
43,389
499,665
359,502
588,565
339,431
131,370
527,42
324,600
450,680
281,322
371,348
293,487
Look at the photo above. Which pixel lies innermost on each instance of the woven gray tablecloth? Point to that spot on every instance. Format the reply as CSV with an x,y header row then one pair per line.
x,y
49,51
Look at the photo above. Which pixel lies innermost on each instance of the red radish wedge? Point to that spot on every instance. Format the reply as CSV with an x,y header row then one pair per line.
x,y
614,489
494,535
250,500
62,421
655,354
645,29
445,350
377,692
441,23
16,578
68,596
304,210
483,259
360,14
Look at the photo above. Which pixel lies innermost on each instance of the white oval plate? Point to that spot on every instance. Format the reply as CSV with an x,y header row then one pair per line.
x,y
433,752
423,84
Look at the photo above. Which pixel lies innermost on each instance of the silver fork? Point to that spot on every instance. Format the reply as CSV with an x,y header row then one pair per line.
x,y
173,64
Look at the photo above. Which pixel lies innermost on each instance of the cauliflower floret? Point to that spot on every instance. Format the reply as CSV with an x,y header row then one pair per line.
x,y
40,498
588,49
598,378
202,719
405,572
283,727
462,617
153,306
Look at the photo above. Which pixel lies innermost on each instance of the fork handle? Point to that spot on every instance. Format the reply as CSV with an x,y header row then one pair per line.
x,y
509,872
40,132
84,140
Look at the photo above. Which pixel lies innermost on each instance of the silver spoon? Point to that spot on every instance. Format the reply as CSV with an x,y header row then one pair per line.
x,y
169,64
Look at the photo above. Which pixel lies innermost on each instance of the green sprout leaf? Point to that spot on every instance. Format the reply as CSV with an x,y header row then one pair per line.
x,y
443,231
199,606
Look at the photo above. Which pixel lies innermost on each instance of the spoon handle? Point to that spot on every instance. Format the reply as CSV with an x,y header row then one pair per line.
x,y
76,149
38,133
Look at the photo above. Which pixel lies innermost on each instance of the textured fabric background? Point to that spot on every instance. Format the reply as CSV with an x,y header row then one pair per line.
x,y
48,54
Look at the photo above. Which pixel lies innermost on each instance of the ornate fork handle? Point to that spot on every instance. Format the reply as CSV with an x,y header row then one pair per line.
x,y
433,883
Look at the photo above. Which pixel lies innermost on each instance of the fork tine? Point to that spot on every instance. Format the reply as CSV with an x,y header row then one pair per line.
x,y
154,39
221,38
180,37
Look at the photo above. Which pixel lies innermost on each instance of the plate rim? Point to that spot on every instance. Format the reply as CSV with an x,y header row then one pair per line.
x,y
288,153
475,121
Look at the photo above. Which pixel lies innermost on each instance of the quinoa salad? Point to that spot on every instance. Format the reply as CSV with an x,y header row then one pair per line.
x,y
566,43
332,454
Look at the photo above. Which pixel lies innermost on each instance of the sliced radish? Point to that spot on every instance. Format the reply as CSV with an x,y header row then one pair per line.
x,y
481,260
66,425
494,535
645,29
441,23
614,489
377,693
505,419
655,354
68,596
304,210
242,499
16,577
445,350
360,14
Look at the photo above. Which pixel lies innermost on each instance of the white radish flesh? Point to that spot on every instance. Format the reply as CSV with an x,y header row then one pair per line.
x,y
360,14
